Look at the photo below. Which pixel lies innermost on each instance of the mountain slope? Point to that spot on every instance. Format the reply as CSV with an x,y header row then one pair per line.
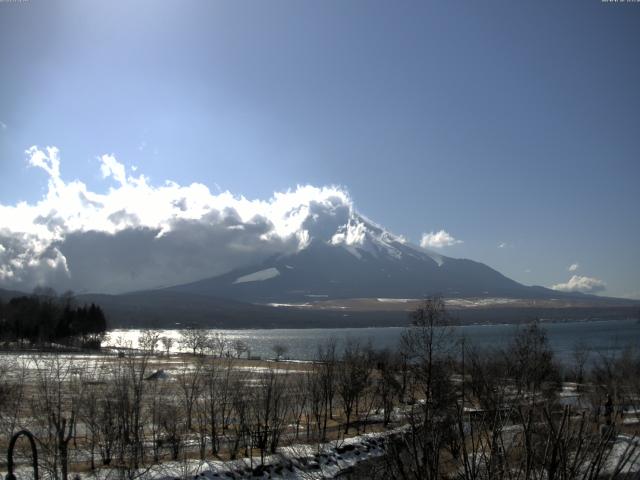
x,y
361,260
6,295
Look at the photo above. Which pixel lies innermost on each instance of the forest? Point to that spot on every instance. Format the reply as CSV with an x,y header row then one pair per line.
x,y
45,319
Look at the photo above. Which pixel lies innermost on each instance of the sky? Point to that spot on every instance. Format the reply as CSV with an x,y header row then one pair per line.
x,y
504,132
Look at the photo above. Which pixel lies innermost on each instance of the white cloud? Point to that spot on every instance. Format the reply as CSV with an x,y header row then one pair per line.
x,y
573,267
49,161
579,283
138,235
3,126
502,245
353,233
110,167
438,240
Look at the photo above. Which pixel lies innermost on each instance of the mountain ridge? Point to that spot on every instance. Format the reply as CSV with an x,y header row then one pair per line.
x,y
324,269
353,273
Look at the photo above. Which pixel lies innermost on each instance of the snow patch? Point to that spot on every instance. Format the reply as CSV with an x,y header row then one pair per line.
x,y
295,462
436,258
395,300
479,302
289,305
259,276
353,251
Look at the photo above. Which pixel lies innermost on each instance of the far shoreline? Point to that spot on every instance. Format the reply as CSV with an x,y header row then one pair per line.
x,y
365,327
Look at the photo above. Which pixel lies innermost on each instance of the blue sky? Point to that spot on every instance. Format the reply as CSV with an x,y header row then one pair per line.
x,y
514,126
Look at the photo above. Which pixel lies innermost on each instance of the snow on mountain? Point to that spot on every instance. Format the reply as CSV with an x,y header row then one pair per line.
x,y
362,235
350,256
259,276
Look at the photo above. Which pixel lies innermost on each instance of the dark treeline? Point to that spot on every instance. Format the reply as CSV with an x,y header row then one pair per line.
x,y
45,317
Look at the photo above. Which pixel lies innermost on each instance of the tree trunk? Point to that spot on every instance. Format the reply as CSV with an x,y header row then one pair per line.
x,y
63,448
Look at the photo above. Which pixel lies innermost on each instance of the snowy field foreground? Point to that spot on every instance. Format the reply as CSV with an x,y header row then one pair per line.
x,y
624,457
291,462
313,462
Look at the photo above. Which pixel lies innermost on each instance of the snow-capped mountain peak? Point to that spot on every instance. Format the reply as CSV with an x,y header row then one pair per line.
x,y
345,255
360,234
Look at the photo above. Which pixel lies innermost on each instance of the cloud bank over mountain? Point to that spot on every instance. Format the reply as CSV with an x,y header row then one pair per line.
x,y
137,235
438,239
582,284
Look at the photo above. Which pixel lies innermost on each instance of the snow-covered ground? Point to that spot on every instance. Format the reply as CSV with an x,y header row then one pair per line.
x,y
479,302
263,370
290,463
624,456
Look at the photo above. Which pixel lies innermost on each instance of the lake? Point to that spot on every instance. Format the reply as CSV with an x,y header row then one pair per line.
x,y
606,336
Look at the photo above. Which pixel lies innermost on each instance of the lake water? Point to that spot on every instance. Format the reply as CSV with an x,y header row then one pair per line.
x,y
601,336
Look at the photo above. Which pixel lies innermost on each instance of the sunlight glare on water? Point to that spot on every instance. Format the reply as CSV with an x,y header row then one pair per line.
x,y
302,344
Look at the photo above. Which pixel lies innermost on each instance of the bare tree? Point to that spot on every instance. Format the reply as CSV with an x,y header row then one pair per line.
x,y
218,387
427,345
317,403
580,354
270,408
58,401
327,361
616,375
388,388
128,390
240,427
240,347
157,392
189,383
298,394
148,340
534,362
13,377
353,376
194,339
108,428
217,344
202,420
170,422
279,350
167,343
95,389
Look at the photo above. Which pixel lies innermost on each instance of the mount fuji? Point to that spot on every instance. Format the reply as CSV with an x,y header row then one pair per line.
x,y
360,259
348,271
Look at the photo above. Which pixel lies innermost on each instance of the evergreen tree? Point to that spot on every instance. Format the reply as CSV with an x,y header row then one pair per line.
x,y
43,317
